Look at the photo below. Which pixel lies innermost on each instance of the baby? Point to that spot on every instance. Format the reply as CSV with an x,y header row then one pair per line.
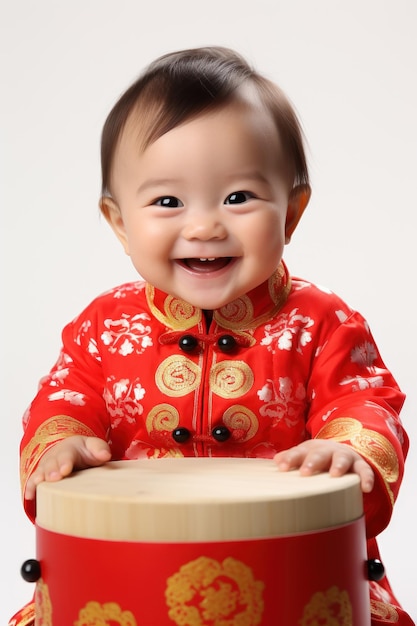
x,y
218,351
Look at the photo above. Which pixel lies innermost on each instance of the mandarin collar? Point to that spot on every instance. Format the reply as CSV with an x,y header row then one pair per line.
x,y
246,312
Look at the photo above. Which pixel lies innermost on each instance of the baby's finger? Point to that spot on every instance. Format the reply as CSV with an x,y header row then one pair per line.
x,y
366,474
98,450
315,461
290,459
32,483
50,469
342,462
58,465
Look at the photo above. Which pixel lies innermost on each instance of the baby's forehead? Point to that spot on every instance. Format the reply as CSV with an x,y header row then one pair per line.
x,y
235,140
148,121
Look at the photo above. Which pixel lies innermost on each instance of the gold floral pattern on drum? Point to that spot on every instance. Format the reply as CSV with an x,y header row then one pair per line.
x,y
177,375
43,605
240,418
206,592
370,444
231,379
328,608
386,613
95,614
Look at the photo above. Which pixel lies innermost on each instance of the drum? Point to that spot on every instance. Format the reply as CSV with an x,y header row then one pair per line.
x,y
200,542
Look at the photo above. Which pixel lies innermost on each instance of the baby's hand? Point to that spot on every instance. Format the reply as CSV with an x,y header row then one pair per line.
x,y
74,453
324,455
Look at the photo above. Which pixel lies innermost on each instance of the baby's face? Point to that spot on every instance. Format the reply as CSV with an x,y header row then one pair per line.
x,y
202,211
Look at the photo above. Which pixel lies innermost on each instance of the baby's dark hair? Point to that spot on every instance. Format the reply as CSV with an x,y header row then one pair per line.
x,y
181,85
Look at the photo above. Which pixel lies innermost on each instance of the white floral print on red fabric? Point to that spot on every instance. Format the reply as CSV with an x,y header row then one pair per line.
x,y
122,398
127,335
288,331
282,400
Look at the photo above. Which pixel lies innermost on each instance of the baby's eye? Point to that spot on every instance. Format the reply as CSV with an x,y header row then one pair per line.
x,y
170,202
238,197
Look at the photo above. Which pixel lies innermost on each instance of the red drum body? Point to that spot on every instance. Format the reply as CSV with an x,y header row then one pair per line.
x,y
201,542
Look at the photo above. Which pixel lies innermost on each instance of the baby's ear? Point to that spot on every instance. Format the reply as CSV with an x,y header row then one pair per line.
x,y
111,211
297,202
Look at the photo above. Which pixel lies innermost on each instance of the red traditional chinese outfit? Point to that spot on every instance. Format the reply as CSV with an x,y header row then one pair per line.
x,y
155,377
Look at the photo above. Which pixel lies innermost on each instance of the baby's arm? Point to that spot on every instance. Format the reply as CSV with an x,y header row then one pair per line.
x,y
73,453
324,455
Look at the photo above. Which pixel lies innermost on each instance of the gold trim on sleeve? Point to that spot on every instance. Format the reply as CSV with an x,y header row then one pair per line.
x,y
384,610
370,444
50,432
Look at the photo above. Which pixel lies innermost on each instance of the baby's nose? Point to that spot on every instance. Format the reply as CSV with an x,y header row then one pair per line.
x,y
204,226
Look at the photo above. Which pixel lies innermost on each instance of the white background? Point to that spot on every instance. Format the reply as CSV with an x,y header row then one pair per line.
x,y
350,67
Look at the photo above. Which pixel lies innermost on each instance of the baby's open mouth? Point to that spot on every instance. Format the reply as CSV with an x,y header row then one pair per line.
x,y
207,265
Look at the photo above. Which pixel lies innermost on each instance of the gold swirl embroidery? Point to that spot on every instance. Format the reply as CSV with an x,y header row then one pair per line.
x,y
231,379
51,431
329,608
43,605
177,375
177,314
368,443
279,286
239,417
95,614
163,417
385,612
180,313
206,591
236,314
241,314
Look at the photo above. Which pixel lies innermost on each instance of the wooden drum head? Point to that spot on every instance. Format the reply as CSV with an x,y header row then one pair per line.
x,y
195,499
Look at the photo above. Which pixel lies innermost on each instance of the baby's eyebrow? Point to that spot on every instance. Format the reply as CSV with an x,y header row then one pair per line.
x,y
151,183
247,175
